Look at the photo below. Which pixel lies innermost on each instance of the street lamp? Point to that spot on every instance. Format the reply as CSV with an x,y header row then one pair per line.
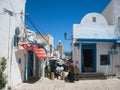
x,y
65,35
8,11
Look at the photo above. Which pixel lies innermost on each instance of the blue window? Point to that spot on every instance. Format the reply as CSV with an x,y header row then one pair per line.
x,y
19,60
15,40
104,59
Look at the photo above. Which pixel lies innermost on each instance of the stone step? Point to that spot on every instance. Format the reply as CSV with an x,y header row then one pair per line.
x,y
92,75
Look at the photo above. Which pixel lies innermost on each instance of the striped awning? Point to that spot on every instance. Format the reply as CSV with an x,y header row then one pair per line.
x,y
38,50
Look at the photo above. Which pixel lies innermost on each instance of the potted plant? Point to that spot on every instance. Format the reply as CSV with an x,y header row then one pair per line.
x,y
2,75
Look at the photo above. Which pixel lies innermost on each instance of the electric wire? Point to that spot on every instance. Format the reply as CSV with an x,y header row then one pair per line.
x,y
37,29
44,32
28,20
35,26
15,13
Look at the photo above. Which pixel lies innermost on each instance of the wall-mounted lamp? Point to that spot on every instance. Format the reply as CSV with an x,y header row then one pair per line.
x,y
76,44
65,36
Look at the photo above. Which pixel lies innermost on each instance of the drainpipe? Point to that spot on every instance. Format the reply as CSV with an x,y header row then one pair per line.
x,y
9,58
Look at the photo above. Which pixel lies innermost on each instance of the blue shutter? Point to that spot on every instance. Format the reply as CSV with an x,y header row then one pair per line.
x,y
15,40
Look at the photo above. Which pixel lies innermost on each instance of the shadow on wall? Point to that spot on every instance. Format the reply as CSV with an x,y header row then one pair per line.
x,y
21,61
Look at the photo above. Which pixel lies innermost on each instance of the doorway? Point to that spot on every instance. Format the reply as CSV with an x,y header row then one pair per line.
x,y
30,64
37,71
88,57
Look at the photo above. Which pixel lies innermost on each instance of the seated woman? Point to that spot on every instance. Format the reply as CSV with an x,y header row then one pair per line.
x,y
71,72
76,73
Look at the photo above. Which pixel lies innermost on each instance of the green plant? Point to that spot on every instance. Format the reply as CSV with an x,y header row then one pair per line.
x,y
2,75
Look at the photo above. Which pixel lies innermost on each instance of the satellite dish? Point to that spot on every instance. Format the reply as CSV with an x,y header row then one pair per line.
x,y
17,31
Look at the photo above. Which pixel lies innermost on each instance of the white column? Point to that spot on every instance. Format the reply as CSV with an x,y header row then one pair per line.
x,y
42,67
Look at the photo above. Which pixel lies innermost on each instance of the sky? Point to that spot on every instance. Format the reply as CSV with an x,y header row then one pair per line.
x,y
55,17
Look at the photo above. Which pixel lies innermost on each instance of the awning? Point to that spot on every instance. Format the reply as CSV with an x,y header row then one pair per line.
x,y
38,50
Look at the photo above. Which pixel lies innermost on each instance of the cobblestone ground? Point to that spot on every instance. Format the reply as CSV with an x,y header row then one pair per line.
x,y
47,84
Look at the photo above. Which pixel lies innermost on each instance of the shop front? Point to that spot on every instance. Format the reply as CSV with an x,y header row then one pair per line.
x,y
34,66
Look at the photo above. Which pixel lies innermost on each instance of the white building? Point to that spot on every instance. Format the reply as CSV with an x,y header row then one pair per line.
x,y
18,45
60,49
112,15
48,40
11,18
95,47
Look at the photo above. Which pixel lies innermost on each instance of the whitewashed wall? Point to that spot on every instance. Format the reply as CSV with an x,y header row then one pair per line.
x,y
116,4
77,56
108,13
93,30
9,23
101,49
7,29
111,13
18,69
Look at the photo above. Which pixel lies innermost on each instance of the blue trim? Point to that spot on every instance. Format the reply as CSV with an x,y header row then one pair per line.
x,y
108,59
118,41
89,46
39,44
96,40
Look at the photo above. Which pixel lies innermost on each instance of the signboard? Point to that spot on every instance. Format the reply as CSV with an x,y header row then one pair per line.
x,y
113,52
77,62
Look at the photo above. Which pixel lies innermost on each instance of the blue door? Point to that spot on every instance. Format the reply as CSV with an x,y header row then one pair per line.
x,y
88,57
25,68
30,64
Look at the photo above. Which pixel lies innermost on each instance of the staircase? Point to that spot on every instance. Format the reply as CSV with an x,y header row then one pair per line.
x,y
92,75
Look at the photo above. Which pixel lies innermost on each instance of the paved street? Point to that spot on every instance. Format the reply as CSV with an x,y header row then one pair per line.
x,y
47,84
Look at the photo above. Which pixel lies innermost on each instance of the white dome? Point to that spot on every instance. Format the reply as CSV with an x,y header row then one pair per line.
x,y
99,20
